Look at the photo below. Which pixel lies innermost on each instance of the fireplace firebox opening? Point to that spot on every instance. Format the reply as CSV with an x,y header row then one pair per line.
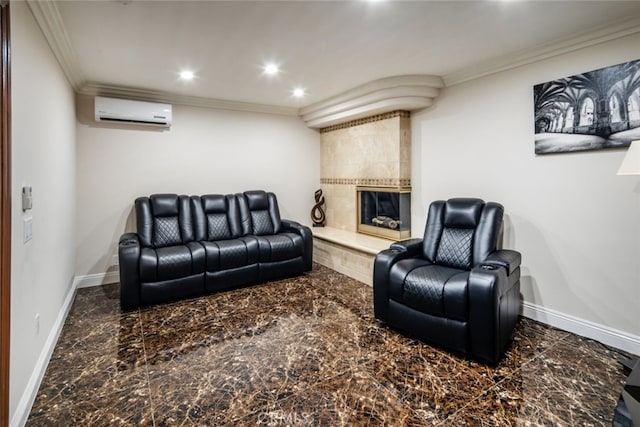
x,y
384,212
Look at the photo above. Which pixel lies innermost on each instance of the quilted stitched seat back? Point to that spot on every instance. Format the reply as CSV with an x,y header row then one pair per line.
x,y
216,217
259,213
461,232
164,220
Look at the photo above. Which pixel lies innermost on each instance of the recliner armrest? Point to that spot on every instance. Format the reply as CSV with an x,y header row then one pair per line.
x,y
382,264
412,246
490,294
506,258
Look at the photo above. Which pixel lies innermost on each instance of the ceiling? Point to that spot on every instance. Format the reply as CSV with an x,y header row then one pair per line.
x,y
326,47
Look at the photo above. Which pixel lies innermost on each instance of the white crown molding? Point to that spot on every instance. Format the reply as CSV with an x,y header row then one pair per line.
x,y
410,92
417,81
48,17
384,95
93,89
421,92
604,334
407,103
582,40
50,21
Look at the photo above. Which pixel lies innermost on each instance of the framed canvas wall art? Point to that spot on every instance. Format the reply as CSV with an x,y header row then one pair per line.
x,y
590,111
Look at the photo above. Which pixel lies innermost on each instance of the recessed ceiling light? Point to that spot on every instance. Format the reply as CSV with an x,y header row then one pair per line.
x,y
298,92
187,75
271,69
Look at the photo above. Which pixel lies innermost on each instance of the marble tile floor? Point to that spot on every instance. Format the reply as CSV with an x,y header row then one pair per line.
x,y
306,351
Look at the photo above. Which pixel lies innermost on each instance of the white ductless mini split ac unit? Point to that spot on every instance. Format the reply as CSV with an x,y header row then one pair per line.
x,y
132,112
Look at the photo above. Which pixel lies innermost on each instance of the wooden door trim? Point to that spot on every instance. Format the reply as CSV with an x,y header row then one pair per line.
x,y
5,208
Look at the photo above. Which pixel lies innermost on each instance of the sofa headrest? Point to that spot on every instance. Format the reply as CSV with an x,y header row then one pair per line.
x,y
214,203
257,200
164,204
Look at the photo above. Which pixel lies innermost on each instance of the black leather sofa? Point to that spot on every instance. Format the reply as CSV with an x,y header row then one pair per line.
x,y
186,246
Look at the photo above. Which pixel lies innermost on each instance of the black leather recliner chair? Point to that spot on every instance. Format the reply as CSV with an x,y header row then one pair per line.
x,y
454,287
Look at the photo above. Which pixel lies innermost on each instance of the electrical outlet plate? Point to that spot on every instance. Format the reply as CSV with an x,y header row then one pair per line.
x,y
115,261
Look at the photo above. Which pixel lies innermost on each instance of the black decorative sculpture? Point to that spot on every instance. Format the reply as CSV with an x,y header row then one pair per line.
x,y
317,214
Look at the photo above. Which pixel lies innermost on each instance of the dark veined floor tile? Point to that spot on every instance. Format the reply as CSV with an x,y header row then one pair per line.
x,y
306,351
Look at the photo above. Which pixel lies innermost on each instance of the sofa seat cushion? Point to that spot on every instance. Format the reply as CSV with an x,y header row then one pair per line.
x,y
230,254
280,247
430,288
171,262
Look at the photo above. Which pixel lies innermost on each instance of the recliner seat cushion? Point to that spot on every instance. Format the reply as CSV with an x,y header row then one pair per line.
x,y
230,254
280,247
430,288
171,262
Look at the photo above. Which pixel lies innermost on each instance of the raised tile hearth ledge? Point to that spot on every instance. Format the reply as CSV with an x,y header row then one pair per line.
x,y
347,252
357,241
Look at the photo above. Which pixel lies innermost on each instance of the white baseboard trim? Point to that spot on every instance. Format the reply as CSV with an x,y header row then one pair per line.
x,y
97,279
608,336
21,414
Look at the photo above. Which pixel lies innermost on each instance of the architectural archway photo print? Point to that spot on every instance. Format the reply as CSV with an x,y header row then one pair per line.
x,y
589,111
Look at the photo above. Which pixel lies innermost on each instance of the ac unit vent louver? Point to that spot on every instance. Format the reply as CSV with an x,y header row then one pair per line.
x,y
132,112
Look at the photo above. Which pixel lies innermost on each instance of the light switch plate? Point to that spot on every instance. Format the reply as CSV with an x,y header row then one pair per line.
x,y
28,229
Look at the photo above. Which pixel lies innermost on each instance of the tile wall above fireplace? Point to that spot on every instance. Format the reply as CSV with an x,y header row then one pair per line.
x,y
375,152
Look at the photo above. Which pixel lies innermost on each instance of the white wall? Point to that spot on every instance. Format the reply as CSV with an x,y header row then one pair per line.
x,y
206,151
43,144
576,223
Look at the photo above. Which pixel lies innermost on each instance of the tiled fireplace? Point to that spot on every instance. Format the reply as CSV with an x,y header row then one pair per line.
x,y
372,152
384,212
364,163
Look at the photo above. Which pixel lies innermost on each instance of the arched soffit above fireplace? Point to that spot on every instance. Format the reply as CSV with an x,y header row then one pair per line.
x,y
413,92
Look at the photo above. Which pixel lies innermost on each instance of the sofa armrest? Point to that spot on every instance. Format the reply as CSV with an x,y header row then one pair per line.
x,y
294,227
508,259
304,232
128,258
129,239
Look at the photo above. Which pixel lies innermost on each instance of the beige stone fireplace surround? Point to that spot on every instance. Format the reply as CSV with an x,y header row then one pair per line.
x,y
373,152
365,140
